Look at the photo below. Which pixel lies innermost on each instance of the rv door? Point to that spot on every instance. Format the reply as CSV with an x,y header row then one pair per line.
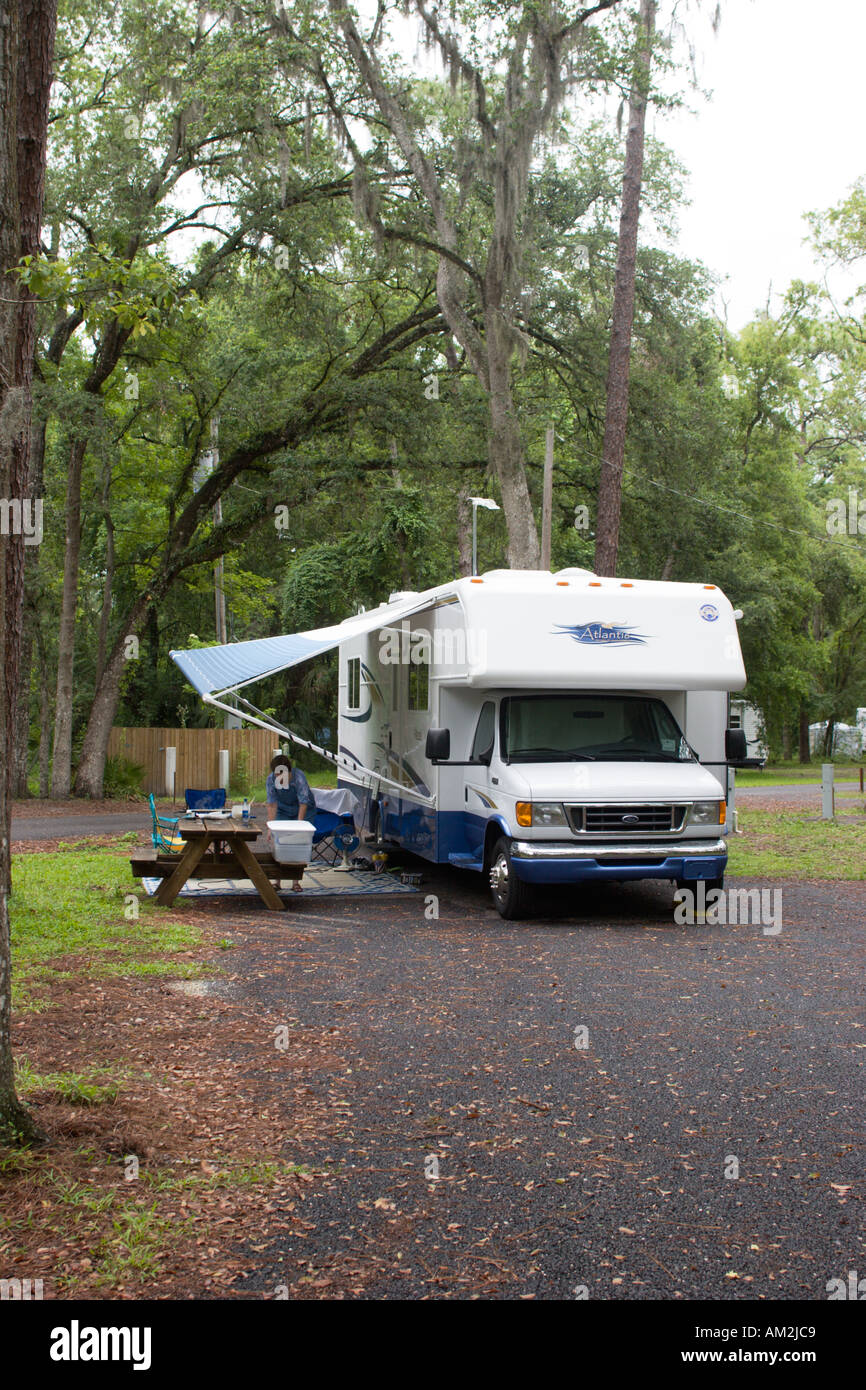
x,y
477,778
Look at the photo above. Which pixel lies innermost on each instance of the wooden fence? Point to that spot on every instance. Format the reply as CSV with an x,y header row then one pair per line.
x,y
197,752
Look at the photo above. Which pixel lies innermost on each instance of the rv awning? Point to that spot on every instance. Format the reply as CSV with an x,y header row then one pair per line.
x,y
220,670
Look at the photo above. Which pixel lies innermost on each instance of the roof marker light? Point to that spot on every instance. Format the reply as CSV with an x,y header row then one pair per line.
x,y
562,583
594,584
626,584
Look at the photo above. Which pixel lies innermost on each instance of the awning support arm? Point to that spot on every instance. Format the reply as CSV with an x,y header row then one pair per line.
x,y
339,760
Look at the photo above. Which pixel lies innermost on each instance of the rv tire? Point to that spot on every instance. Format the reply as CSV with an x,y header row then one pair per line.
x,y
511,895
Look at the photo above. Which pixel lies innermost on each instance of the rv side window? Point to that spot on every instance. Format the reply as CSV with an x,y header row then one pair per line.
x,y
419,683
354,695
482,744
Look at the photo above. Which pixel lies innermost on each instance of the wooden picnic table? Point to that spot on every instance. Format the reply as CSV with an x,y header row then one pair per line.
x,y
218,848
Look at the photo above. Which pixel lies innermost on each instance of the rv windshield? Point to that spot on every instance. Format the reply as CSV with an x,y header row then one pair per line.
x,y
606,728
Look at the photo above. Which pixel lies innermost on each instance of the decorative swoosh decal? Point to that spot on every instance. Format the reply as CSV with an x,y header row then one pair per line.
x,y
485,799
602,634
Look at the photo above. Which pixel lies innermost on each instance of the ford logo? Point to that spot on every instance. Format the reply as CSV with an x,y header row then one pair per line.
x,y
631,820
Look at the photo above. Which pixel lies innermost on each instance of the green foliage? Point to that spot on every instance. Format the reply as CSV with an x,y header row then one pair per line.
x,y
199,215
97,1086
240,782
123,778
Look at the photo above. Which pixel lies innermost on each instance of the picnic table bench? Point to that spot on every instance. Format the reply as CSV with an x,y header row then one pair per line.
x,y
216,849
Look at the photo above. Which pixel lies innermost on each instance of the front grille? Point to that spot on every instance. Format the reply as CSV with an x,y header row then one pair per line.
x,y
649,818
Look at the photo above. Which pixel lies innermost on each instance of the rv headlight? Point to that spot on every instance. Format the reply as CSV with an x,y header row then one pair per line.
x,y
707,813
547,813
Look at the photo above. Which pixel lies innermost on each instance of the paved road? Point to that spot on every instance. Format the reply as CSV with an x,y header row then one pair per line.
x,y
80,822
710,1049
793,792
77,826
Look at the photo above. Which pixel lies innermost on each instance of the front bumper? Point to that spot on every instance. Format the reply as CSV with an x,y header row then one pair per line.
x,y
561,861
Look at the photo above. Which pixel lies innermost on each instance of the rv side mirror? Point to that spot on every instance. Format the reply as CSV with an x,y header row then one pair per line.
x,y
736,748
438,746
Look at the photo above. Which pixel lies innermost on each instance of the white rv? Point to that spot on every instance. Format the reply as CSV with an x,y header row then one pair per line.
x,y
534,727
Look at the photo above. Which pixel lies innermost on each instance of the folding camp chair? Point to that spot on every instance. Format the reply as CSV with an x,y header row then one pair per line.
x,y
328,836
213,799
164,832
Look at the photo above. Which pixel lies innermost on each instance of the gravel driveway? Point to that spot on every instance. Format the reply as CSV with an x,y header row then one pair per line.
x,y
568,1161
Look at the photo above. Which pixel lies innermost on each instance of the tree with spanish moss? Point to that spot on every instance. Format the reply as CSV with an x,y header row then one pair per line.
x,y
466,170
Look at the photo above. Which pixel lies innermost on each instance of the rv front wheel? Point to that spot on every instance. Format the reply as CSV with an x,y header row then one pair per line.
x,y
510,894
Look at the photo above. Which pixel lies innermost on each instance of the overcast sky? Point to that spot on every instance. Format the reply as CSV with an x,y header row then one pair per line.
x,y
783,133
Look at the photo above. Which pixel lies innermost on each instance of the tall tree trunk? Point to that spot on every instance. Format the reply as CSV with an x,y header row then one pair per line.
x,y
61,766
803,736
44,716
108,583
105,358
528,107
616,416
829,738
90,774
464,533
19,752
506,447
668,567
107,589
26,52
31,577
786,741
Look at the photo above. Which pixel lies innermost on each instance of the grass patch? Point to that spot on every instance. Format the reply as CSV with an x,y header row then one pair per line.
x,y
134,1246
128,1230
224,1175
97,1086
127,1235
792,844
73,904
791,774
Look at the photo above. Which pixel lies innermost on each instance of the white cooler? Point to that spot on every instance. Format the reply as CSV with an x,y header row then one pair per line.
x,y
293,840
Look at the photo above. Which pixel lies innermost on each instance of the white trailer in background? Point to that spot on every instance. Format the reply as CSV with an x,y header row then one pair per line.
x,y
745,716
534,727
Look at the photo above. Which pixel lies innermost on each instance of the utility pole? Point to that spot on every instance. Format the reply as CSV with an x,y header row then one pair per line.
x,y
622,321
547,499
208,462
219,592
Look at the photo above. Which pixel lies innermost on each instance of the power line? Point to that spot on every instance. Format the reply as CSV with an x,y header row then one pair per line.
x,y
730,511
745,516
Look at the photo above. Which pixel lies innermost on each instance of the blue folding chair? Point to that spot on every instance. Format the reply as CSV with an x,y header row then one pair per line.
x,y
213,799
164,832
332,832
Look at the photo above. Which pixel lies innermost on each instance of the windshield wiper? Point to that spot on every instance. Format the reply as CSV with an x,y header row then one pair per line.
x,y
641,758
550,755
